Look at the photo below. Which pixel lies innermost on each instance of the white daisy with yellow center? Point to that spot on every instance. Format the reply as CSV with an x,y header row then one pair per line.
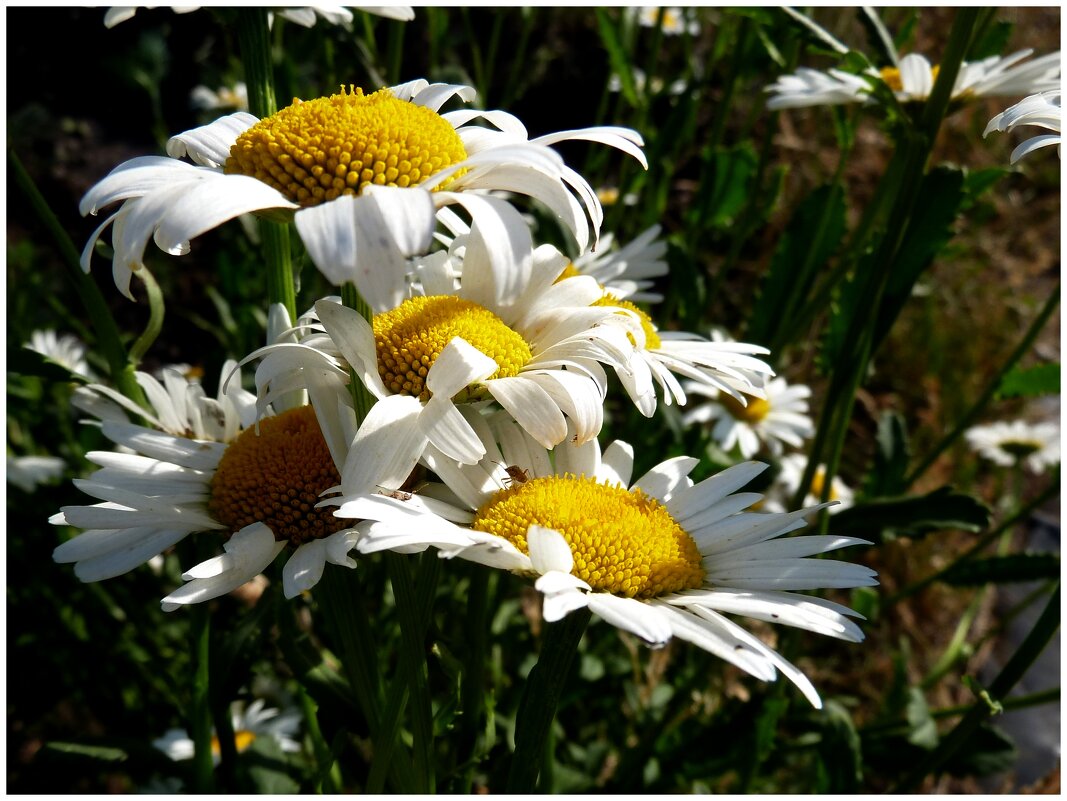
x,y
207,465
912,77
1035,445
791,473
364,175
1041,110
780,416
507,332
659,557
670,19
249,724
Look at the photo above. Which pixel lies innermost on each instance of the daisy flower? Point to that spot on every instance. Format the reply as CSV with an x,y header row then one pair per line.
x,y
673,21
495,329
659,557
1036,445
1042,110
249,724
67,350
912,79
786,483
205,465
625,271
29,472
361,175
779,417
301,15
226,97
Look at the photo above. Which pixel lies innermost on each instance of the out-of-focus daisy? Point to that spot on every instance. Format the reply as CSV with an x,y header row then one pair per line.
x,y
483,326
1042,110
786,483
249,724
67,350
306,16
227,97
779,417
641,83
659,557
610,195
671,18
1035,445
206,465
912,79
626,271
29,472
364,175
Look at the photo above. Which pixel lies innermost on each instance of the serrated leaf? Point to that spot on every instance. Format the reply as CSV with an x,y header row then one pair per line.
x,y
1004,569
1030,382
922,731
914,516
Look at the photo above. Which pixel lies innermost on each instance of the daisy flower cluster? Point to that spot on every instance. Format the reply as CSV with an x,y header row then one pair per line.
x,y
452,393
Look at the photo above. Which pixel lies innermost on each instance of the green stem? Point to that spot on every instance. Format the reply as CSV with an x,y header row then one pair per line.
x,y
1009,704
254,37
1030,649
328,772
472,689
540,698
396,50
991,388
107,332
200,705
156,310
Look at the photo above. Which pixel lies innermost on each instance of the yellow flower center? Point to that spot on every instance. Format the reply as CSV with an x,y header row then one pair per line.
x,y
570,271
652,340
755,411
623,542
241,740
316,151
276,477
891,76
410,337
818,482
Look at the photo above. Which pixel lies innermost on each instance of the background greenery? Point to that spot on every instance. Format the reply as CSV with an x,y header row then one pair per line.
x,y
95,672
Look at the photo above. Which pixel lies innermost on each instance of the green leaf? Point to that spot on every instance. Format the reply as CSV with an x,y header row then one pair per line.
x,y
977,182
268,769
992,42
890,459
841,751
1004,569
29,362
92,751
1030,382
913,516
812,236
617,54
725,191
989,750
922,731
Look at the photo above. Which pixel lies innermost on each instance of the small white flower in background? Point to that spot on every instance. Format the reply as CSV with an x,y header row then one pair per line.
x,y
609,196
1042,110
676,87
625,271
674,20
781,493
912,79
301,15
780,417
1035,445
660,557
66,350
29,472
249,724
227,97
358,215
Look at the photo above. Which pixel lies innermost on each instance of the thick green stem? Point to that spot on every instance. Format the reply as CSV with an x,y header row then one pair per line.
x,y
1030,649
107,332
254,37
991,388
200,705
542,693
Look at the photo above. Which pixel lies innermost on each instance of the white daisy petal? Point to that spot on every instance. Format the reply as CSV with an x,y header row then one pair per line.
x,y
548,550
304,568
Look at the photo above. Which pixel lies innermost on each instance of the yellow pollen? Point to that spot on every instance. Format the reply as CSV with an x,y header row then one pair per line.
x,y
891,76
410,337
316,151
652,340
570,271
276,477
755,411
623,541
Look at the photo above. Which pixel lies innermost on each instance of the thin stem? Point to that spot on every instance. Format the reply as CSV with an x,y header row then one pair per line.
x,y
328,772
156,311
200,705
991,388
1009,704
542,693
1030,649
107,332
361,397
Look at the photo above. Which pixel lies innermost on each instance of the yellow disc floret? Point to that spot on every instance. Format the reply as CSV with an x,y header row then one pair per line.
x,y
652,340
623,541
410,337
317,150
755,411
276,477
891,76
